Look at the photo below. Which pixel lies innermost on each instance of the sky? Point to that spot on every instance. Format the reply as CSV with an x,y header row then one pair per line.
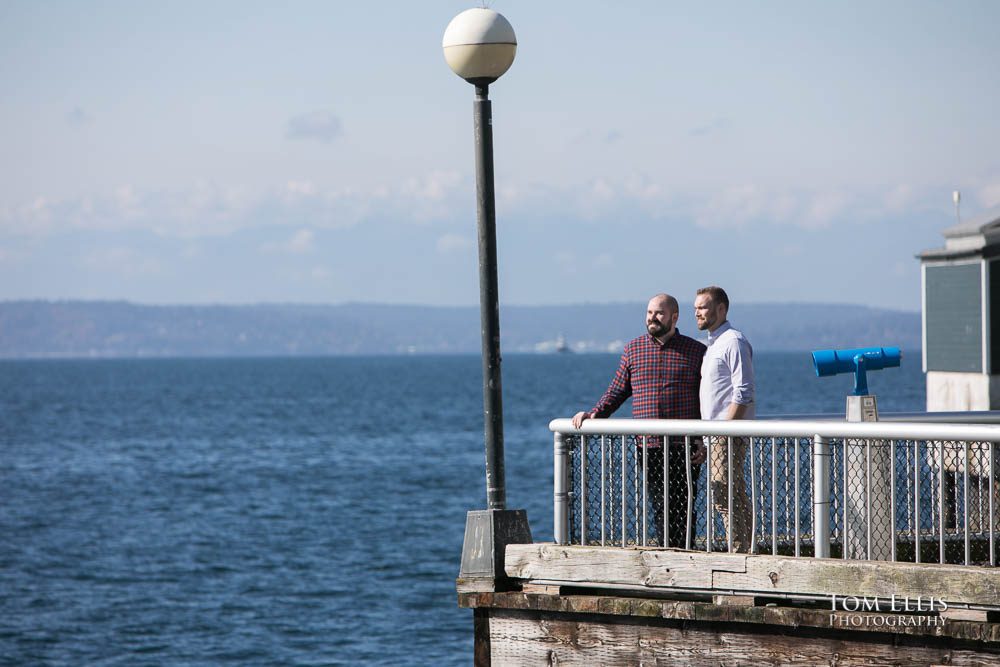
x,y
322,152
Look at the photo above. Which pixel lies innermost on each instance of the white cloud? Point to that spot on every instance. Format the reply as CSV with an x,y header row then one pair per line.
x,y
899,198
711,127
211,210
747,205
300,188
822,208
78,116
514,194
121,260
323,126
32,218
643,189
611,200
435,186
989,195
602,190
430,197
604,199
733,207
566,260
207,209
127,202
609,136
449,243
789,250
301,242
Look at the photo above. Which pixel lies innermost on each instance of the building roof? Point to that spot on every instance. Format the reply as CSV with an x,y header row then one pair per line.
x,y
980,224
977,237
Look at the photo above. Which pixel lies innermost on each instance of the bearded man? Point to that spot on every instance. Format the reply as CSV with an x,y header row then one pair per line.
x,y
661,372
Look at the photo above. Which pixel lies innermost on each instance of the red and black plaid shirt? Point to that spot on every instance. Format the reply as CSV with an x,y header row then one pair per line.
x,y
663,380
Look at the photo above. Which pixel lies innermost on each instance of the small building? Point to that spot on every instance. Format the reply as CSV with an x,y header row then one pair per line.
x,y
960,285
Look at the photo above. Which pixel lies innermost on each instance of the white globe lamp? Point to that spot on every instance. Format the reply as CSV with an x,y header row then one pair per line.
x,y
479,45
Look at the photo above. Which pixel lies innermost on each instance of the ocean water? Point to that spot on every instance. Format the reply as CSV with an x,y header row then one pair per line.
x,y
282,511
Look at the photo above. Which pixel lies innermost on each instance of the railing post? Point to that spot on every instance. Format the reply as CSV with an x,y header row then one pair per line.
x,y
798,499
583,489
709,522
821,497
992,464
560,487
965,497
916,498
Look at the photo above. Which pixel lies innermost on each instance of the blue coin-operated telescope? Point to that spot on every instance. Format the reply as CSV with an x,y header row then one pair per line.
x,y
858,361
865,505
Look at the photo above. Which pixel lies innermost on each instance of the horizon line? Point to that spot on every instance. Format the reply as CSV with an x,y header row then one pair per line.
x,y
340,304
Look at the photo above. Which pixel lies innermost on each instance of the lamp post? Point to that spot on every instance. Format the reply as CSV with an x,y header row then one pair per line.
x,y
479,46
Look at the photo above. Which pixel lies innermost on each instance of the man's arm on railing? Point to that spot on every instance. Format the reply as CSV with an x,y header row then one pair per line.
x,y
579,418
617,393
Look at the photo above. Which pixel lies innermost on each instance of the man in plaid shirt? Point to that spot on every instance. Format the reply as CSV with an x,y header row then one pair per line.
x,y
661,371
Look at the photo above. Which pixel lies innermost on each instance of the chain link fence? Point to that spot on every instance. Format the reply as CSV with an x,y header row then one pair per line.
x,y
856,498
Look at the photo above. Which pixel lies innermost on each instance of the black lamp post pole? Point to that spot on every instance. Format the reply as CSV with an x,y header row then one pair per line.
x,y
489,302
488,532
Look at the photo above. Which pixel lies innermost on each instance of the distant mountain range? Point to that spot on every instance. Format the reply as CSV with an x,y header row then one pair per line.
x,y
66,329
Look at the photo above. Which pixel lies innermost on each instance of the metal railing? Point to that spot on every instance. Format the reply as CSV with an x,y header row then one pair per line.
x,y
901,491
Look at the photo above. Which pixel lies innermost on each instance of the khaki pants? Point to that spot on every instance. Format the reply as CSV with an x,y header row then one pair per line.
x,y
739,522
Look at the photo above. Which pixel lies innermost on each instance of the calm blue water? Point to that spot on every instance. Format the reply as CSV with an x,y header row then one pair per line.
x,y
281,511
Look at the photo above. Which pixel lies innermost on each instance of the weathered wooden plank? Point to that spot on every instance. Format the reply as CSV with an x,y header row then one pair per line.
x,y
541,589
789,618
523,638
823,576
595,565
966,615
475,585
664,569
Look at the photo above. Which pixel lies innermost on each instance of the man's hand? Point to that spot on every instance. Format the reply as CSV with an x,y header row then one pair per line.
x,y
579,418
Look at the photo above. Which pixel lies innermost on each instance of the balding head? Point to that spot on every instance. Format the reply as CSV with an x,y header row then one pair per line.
x,y
669,302
661,316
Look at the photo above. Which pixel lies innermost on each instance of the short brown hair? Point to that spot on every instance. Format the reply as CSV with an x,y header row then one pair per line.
x,y
716,293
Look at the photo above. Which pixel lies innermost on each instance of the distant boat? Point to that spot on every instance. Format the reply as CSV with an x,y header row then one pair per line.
x,y
561,345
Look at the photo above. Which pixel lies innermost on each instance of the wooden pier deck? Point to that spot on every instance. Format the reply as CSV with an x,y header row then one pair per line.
x,y
573,605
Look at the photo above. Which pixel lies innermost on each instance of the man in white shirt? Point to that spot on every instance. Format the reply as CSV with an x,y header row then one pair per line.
x,y
727,392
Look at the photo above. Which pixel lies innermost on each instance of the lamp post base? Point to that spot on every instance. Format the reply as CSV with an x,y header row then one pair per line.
x,y
487,534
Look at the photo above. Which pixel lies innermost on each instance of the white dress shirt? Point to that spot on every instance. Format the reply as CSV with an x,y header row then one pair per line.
x,y
727,373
